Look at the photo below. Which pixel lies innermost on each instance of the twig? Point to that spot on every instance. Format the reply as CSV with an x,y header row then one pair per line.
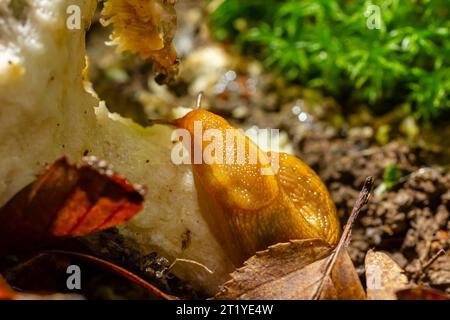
x,y
433,259
362,200
417,276
199,100
191,262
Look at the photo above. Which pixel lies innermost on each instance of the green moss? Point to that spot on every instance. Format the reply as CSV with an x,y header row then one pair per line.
x,y
328,45
391,176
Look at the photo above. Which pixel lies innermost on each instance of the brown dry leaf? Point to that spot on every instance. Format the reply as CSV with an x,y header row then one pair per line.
x,y
294,271
145,27
67,201
383,276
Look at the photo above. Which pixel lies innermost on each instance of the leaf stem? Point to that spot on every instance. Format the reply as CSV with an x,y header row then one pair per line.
x,y
362,200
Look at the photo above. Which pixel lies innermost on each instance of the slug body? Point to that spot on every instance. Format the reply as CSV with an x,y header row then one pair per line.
x,y
249,210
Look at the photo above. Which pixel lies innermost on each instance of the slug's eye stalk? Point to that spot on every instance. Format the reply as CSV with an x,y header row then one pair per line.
x,y
175,123
199,100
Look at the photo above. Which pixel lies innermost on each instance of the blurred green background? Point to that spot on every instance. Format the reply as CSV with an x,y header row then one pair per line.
x,y
334,46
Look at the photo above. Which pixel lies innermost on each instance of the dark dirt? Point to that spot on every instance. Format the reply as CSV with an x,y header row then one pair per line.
x,y
152,267
411,221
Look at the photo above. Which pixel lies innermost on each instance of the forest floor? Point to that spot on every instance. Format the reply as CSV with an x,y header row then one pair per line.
x,y
408,217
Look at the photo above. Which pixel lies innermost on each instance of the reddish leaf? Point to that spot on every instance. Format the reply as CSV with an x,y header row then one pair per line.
x,y
6,293
67,201
421,293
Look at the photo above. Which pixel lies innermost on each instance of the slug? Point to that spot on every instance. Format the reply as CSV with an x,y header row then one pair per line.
x,y
246,209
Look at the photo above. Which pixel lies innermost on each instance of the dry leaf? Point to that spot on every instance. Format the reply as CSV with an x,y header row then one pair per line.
x,y
145,27
383,276
294,271
421,293
6,293
67,201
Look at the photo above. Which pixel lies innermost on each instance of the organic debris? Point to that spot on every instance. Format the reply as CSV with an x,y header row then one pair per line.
x,y
146,28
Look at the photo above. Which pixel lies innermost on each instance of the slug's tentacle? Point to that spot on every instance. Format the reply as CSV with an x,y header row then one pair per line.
x,y
199,100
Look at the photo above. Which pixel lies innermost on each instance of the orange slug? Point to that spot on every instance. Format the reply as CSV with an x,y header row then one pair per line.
x,y
247,210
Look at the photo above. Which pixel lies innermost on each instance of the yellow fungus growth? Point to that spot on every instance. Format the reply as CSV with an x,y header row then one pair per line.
x,y
145,27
